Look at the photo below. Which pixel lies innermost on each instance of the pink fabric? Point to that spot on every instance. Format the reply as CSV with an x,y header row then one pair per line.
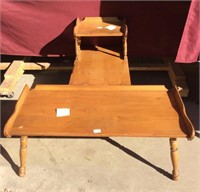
x,y
189,48
44,27
34,28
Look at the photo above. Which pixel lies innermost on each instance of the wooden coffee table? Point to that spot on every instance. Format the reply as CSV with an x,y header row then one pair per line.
x,y
100,100
100,111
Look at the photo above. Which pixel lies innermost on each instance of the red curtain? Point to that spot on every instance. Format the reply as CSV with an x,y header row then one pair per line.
x,y
34,28
189,48
45,28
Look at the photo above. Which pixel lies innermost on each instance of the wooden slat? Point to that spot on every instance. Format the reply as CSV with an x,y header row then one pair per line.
x,y
4,65
7,87
178,71
62,66
8,84
35,66
178,80
177,77
109,88
175,68
11,76
182,87
149,67
15,70
40,66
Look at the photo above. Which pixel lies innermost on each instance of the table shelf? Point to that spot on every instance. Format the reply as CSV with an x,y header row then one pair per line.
x,y
100,27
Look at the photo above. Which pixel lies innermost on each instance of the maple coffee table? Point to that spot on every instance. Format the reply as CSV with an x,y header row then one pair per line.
x,y
100,100
107,111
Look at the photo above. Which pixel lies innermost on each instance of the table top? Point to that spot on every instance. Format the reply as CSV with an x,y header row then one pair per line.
x,y
98,111
99,26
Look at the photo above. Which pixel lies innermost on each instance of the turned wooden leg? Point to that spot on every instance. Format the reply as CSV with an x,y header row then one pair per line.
x,y
174,158
22,155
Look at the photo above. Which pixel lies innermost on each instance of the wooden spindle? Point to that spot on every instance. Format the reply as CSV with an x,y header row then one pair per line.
x,y
22,154
174,158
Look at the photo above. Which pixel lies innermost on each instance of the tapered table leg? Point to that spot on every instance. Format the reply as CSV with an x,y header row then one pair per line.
x,y
174,158
22,155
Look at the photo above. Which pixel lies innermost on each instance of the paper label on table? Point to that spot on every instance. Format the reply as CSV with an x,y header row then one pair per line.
x,y
110,27
96,130
99,27
61,112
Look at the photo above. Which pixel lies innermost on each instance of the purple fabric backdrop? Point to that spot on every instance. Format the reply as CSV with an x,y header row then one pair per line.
x,y
41,27
35,28
189,48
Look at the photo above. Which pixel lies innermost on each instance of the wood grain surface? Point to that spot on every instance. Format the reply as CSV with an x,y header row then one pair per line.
x,y
139,111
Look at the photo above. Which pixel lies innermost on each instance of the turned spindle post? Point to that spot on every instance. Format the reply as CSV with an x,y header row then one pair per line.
x,y
125,34
174,158
125,47
77,47
22,155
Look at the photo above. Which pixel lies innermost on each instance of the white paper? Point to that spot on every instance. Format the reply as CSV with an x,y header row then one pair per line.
x,y
96,130
99,27
110,27
61,112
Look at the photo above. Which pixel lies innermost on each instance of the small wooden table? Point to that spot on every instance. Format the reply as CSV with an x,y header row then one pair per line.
x,y
100,99
100,111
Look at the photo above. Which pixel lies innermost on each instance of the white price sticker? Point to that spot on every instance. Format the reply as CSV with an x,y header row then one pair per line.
x,y
61,112
110,27
96,130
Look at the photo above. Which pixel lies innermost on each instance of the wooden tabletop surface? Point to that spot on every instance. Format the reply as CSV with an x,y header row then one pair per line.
x,y
139,111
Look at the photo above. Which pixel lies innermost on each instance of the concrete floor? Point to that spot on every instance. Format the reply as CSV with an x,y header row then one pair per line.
x,y
104,165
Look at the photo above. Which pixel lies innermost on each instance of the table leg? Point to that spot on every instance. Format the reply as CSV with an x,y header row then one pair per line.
x,y
22,155
174,158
